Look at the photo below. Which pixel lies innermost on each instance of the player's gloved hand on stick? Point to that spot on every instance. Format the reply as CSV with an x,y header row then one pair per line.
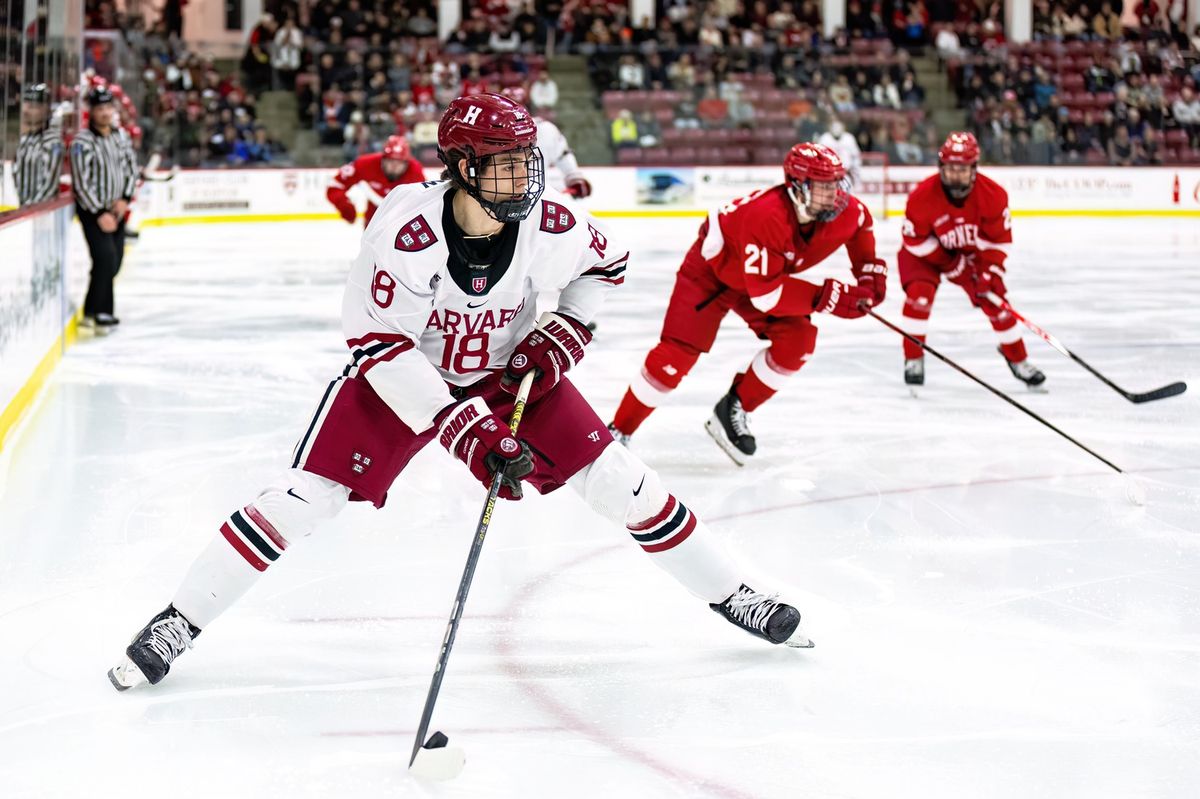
x,y
347,211
551,348
872,276
479,438
990,280
839,299
960,271
579,188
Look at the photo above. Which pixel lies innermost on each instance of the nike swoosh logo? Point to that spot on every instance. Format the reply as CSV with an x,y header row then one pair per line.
x,y
480,305
638,490
293,493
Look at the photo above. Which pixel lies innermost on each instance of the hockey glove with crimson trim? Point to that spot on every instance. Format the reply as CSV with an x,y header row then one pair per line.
x,y
479,438
551,348
579,188
848,302
872,276
348,212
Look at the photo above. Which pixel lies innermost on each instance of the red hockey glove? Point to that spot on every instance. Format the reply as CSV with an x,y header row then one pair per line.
x,y
872,276
551,348
579,188
960,271
479,438
990,280
347,211
841,300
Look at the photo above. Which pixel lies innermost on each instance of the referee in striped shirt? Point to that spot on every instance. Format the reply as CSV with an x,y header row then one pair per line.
x,y
104,175
40,151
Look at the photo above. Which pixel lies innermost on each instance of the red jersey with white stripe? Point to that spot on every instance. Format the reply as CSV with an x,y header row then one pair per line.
x,y
419,319
935,229
754,243
368,170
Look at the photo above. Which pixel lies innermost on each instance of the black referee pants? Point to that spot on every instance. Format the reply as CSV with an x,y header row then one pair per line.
x,y
107,250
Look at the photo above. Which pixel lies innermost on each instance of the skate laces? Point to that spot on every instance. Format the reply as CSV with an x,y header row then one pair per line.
x,y
169,637
1025,369
751,608
738,419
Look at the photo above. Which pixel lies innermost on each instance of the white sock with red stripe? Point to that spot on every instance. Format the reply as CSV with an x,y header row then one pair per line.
x,y
253,538
620,487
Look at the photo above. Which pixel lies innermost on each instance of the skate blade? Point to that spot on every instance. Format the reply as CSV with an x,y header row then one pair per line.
x,y
799,641
126,675
913,392
1040,389
717,433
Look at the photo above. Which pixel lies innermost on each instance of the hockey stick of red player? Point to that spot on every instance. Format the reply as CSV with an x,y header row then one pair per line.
x,y
1133,490
1170,390
432,758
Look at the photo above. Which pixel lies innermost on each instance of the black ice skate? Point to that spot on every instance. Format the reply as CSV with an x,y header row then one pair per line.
x,y
154,649
764,616
619,437
1027,373
730,428
914,372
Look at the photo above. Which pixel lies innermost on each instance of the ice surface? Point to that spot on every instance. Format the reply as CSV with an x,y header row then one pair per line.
x,y
993,617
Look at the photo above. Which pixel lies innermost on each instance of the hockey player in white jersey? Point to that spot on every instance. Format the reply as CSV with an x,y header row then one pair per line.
x,y
439,316
562,169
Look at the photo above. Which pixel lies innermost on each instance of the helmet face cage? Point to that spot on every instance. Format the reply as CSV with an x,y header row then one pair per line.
x,y
513,209
802,193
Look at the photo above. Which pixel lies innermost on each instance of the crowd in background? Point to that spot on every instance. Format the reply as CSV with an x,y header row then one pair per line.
x,y
1088,89
189,109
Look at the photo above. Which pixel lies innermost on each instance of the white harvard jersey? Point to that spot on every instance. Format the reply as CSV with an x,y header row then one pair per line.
x,y
561,165
416,316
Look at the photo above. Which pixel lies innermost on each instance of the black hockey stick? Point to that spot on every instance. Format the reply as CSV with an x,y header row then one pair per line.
x,y
437,760
1171,390
996,391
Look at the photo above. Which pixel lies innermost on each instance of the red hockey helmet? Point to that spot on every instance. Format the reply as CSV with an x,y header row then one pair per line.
x,y
477,128
960,147
396,149
960,150
806,166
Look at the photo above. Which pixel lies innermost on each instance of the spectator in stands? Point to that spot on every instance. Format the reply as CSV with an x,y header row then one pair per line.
x,y
842,95
1150,153
624,130
285,58
682,73
631,75
947,44
256,62
712,110
1075,26
649,131
421,24
1107,24
1122,150
1186,110
911,95
1074,151
543,92
504,40
886,94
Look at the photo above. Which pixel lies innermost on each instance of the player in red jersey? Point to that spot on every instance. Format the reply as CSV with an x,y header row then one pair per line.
x,y
957,225
381,172
745,260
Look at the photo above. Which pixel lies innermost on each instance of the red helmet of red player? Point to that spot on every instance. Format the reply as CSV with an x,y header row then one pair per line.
x,y
817,181
489,146
396,153
957,164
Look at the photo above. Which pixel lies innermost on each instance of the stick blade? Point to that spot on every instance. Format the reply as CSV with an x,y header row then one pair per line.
x,y
437,761
1172,390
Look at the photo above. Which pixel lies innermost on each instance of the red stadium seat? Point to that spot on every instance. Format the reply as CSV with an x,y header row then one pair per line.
x,y
629,155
